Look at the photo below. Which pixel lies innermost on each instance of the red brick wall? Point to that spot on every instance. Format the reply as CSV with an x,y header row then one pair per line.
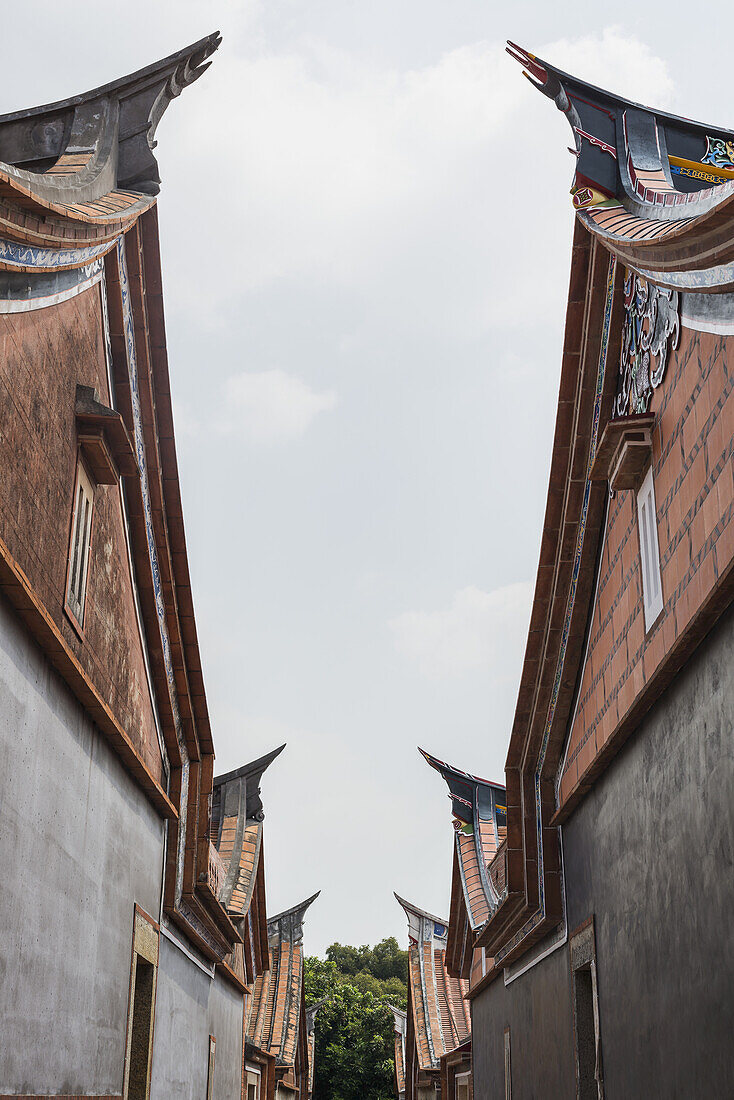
x,y
694,497
43,355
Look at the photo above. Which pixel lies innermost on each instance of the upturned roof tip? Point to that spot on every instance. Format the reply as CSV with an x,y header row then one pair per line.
x,y
255,767
449,771
295,909
410,908
99,143
194,55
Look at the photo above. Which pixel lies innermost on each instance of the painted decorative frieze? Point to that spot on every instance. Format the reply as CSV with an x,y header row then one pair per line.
x,y
651,330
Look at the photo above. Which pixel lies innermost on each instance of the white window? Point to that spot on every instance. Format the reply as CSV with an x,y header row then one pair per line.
x,y
652,587
81,533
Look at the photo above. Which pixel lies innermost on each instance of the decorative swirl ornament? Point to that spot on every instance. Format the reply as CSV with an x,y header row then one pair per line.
x,y
651,330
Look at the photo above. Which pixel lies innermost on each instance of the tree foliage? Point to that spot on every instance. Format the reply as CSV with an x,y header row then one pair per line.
x,y
384,960
355,1027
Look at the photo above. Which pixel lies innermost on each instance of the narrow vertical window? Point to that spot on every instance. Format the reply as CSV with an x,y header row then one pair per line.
x,y
79,544
508,1066
210,1070
462,1087
141,1011
652,588
587,1030
142,1024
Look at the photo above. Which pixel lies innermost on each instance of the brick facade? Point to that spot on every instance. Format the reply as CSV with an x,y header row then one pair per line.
x,y
694,496
44,354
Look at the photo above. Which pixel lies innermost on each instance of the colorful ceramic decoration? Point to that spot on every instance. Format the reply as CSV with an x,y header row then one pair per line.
x,y
651,329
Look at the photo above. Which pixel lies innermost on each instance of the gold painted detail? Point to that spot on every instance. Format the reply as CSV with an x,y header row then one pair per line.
x,y
586,197
698,170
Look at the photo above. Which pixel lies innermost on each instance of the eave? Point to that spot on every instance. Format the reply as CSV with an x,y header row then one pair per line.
x,y
571,531
15,585
459,942
656,189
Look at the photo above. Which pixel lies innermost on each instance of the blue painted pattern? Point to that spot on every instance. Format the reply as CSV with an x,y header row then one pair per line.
x,y
25,255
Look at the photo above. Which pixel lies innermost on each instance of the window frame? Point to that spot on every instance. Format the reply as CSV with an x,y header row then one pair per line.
x,y
210,1067
461,1083
145,948
76,610
584,986
650,571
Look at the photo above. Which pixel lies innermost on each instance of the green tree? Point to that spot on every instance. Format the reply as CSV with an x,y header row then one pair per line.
x,y
385,960
355,1026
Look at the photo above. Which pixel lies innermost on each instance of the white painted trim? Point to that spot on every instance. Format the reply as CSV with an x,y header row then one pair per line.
x,y
562,931
647,526
26,305
718,328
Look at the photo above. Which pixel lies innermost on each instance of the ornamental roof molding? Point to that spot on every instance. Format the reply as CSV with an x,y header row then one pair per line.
x,y
436,999
288,925
236,830
78,172
657,189
423,926
480,823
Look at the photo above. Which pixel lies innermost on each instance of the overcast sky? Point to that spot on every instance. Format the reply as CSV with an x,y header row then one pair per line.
x,y
366,234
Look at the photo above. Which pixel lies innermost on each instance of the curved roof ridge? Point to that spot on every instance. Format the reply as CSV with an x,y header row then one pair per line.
x,y
195,54
295,910
255,766
656,188
90,157
538,67
413,910
447,770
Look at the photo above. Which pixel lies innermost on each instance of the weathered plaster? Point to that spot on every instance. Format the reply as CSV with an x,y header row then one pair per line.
x,y
190,1007
79,845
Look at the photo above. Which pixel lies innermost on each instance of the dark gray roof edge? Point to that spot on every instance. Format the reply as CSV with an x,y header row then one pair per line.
x,y
300,908
410,908
205,46
612,97
254,768
445,770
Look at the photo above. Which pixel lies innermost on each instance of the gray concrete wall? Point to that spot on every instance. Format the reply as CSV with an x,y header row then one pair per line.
x,y
79,845
537,1009
190,1007
650,852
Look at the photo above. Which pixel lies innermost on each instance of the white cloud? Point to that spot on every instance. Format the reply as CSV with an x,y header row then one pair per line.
x,y
271,406
421,190
478,630
616,61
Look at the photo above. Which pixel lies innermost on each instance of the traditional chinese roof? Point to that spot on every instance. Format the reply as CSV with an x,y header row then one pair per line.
x,y
480,823
236,829
278,993
657,189
76,173
655,192
401,1019
438,1013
